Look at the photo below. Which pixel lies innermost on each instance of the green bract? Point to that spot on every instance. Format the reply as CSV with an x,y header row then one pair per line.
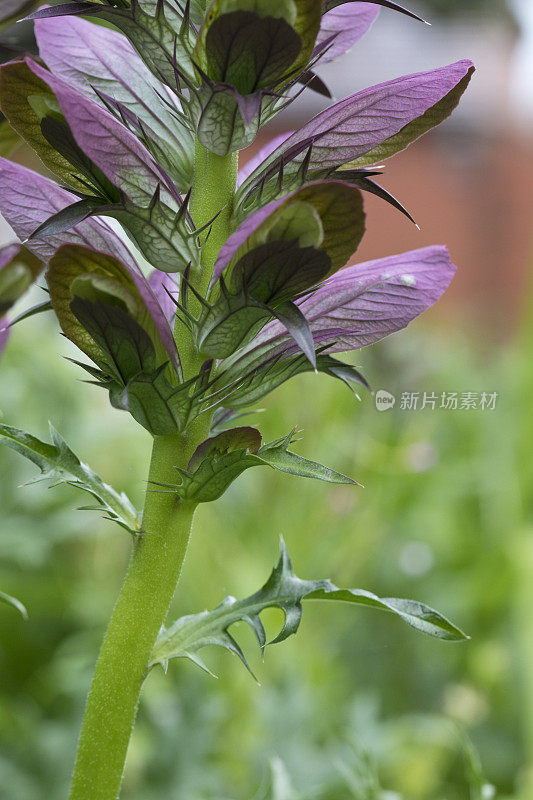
x,y
247,51
218,461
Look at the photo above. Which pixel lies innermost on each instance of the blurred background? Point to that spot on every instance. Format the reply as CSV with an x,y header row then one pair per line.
x,y
358,706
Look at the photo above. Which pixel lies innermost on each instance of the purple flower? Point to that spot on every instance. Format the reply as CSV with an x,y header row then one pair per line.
x,y
352,309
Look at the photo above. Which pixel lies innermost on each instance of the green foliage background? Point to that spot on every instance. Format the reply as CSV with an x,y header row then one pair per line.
x,y
358,700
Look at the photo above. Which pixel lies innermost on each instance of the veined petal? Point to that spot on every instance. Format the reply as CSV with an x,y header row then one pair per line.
x,y
27,199
109,144
347,23
370,125
366,302
362,304
91,57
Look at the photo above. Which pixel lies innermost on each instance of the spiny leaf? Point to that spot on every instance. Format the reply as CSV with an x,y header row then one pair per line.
x,y
283,590
12,601
221,459
58,464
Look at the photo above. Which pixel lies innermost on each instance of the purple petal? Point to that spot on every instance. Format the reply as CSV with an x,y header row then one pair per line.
x,y
363,121
261,155
27,199
362,304
89,57
109,144
347,23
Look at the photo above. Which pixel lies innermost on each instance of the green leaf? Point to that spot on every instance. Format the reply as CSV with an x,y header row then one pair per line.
x,y
12,601
433,116
25,100
221,459
276,454
283,590
58,464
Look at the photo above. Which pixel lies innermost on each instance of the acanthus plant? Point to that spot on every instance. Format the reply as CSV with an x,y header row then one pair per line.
x,y
240,288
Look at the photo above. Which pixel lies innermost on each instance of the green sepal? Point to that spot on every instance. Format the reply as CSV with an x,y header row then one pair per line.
x,y
245,53
283,590
58,464
7,599
249,51
257,375
126,350
159,406
337,207
296,24
221,459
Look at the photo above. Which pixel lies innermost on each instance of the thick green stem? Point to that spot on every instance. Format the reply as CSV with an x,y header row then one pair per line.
x,y
215,178
159,552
